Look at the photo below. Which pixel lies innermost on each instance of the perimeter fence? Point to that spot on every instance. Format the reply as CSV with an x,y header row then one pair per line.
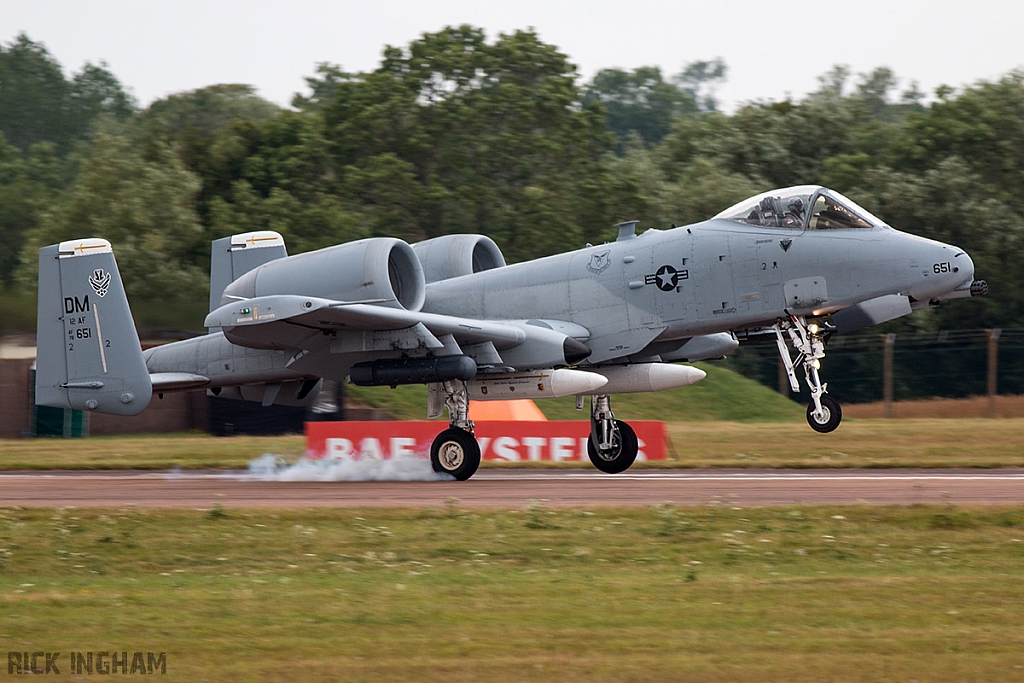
x,y
868,366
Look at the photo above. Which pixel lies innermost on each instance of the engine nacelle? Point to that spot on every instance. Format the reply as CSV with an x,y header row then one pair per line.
x,y
367,270
457,255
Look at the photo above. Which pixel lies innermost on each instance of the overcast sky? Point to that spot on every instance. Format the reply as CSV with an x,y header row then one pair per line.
x,y
771,48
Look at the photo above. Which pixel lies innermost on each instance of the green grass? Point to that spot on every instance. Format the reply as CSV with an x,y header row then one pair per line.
x,y
146,452
405,402
722,395
664,593
972,442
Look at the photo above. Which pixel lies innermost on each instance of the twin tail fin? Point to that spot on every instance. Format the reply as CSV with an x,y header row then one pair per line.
x,y
88,351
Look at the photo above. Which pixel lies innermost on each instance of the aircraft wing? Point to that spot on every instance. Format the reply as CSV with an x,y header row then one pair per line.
x,y
283,321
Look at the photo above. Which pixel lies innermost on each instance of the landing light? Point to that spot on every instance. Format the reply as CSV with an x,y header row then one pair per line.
x,y
812,328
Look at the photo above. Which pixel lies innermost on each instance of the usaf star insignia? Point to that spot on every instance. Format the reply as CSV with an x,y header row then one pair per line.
x,y
666,278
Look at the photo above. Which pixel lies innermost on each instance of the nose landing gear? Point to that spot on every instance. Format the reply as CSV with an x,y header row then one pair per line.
x,y
824,412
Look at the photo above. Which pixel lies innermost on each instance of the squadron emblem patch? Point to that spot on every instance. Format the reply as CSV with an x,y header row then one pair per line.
x,y
100,282
599,262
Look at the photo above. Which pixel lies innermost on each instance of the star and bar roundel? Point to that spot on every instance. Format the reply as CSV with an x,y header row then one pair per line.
x,y
667,278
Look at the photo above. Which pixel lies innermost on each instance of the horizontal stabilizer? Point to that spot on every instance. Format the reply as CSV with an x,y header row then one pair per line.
x,y
177,381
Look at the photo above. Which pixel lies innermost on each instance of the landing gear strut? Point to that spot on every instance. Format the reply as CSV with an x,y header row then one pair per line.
x,y
612,446
824,412
455,451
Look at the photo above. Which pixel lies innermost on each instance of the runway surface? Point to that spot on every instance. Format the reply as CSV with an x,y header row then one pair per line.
x,y
516,488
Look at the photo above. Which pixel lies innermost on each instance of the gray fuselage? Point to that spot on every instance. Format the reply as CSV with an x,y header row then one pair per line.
x,y
639,296
728,276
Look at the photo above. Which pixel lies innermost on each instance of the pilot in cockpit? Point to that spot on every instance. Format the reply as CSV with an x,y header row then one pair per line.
x,y
809,207
795,215
769,213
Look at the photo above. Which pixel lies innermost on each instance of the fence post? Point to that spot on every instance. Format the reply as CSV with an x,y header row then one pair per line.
x,y
888,342
993,368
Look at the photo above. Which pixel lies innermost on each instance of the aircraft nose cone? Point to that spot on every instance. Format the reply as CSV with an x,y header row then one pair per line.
x,y
963,266
575,351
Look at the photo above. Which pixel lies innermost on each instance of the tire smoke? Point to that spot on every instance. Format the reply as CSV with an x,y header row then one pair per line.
x,y
270,467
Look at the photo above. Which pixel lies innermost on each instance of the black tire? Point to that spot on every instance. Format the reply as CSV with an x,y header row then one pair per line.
x,y
620,460
455,452
833,415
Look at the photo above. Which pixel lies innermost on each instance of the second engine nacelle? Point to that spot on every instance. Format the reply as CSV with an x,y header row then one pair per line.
x,y
380,268
456,255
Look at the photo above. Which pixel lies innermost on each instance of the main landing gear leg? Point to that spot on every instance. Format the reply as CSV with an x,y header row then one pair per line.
x,y
612,446
455,451
824,412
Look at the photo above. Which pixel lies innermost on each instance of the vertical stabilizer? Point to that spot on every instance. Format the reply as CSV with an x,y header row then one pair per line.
x,y
88,352
232,257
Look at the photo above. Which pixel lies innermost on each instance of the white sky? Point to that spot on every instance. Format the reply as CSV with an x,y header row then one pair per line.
x,y
772,48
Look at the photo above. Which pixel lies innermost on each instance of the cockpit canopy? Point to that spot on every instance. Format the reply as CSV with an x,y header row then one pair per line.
x,y
804,207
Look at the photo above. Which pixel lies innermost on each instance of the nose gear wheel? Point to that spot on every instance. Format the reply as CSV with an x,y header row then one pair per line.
x,y
829,417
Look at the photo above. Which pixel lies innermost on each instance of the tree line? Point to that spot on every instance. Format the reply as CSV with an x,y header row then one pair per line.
x,y
455,133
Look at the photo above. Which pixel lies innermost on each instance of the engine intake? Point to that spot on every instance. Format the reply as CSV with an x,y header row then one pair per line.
x,y
451,256
371,269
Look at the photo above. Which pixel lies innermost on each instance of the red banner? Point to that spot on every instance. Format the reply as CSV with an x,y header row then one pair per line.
x,y
514,441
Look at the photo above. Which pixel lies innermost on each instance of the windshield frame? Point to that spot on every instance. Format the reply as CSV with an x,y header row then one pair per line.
x,y
812,192
853,207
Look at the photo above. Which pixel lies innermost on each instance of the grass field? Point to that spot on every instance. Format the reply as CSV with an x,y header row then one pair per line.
x,y
972,442
156,451
857,443
696,594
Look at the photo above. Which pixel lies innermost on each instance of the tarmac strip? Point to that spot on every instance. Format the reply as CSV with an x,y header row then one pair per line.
x,y
517,488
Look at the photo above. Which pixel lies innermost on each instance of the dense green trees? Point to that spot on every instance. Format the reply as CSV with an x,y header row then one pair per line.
x,y
29,183
38,104
451,134
142,204
639,102
643,103
455,133
42,115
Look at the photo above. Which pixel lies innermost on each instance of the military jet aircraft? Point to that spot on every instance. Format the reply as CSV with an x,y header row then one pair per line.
x,y
799,263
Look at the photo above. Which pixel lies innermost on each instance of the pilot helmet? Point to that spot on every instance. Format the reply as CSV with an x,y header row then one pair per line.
x,y
796,206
